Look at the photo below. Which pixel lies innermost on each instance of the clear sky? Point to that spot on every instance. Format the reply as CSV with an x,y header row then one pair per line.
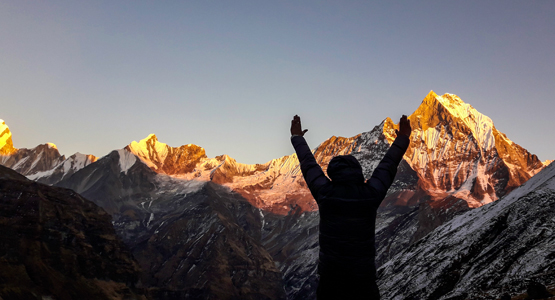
x,y
92,76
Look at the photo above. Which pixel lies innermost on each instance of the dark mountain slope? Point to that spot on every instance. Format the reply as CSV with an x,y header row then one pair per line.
x,y
55,243
193,239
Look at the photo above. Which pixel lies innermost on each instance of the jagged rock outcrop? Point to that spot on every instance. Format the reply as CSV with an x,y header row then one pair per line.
x,y
55,244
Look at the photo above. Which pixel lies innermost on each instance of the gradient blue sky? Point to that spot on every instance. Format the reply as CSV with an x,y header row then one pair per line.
x,y
92,76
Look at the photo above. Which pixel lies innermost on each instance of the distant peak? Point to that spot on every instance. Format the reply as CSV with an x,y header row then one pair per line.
x,y
52,145
6,144
151,136
149,150
150,141
431,94
4,127
451,102
449,109
81,156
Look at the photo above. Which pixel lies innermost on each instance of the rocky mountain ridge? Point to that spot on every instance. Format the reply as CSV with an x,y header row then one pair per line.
x,y
455,151
263,215
42,163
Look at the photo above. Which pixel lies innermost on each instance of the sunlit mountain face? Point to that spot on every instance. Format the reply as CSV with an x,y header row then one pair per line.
x,y
455,151
200,225
6,144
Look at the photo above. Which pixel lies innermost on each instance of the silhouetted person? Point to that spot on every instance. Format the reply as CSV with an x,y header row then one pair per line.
x,y
348,206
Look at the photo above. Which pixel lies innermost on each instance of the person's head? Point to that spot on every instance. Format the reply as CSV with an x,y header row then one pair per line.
x,y
345,168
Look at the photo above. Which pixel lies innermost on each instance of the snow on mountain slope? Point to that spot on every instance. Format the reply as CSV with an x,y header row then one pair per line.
x,y
126,160
484,252
480,125
64,169
28,162
460,161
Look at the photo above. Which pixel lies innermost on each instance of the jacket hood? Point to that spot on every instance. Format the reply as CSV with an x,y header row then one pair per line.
x,y
345,168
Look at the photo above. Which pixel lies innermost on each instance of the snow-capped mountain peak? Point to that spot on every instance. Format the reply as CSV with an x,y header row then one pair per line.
x,y
6,144
449,109
457,151
150,150
165,159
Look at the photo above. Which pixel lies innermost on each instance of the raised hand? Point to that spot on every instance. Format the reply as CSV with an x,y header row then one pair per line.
x,y
296,128
404,126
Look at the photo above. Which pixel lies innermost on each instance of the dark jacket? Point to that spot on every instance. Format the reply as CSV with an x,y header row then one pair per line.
x,y
348,206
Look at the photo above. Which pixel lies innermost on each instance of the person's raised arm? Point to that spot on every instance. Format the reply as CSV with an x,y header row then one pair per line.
x,y
385,172
296,128
312,172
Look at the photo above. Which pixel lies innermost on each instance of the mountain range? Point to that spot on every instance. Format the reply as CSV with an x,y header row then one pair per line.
x,y
213,227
